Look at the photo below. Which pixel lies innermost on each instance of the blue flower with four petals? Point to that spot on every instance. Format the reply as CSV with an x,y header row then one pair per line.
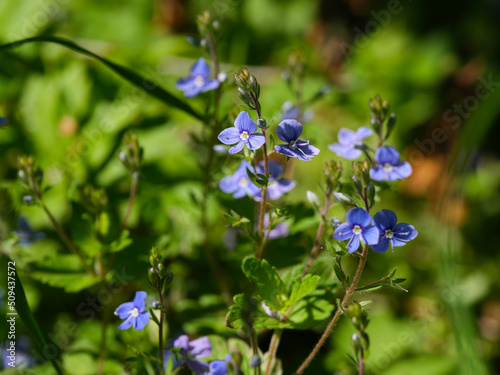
x,y
238,183
348,140
198,81
134,313
189,352
357,228
243,133
289,131
389,167
391,232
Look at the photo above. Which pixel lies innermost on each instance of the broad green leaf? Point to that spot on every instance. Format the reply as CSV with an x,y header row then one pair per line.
x,y
302,287
138,81
121,243
71,282
312,310
269,286
28,319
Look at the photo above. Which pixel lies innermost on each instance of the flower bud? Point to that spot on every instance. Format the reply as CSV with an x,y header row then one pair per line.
x,y
255,361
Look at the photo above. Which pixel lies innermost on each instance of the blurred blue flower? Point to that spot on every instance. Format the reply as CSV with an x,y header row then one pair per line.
x,y
198,81
391,232
189,351
217,367
348,140
2,294
358,227
243,133
277,186
134,312
20,358
238,183
279,231
292,112
289,131
25,234
389,167
3,121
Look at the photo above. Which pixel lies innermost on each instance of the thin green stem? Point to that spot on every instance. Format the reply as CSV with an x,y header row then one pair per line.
x,y
273,348
336,317
160,328
64,237
131,200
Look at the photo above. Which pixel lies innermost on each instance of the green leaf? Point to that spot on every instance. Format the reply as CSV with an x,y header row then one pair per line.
x,y
71,282
271,145
312,310
269,286
302,287
339,273
121,243
137,80
370,288
28,319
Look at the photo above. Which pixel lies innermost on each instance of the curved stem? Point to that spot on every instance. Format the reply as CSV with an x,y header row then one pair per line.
x,y
131,200
273,348
336,317
64,237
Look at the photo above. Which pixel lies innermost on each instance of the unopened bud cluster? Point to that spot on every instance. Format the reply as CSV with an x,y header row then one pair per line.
x,y
360,340
93,199
381,121
132,156
31,177
248,89
157,274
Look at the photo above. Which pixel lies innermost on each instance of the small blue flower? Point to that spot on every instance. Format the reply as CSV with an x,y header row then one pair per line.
x,y
292,112
134,312
19,357
277,186
238,183
389,167
358,227
198,81
279,231
24,233
217,367
289,131
3,121
243,133
190,350
348,140
391,232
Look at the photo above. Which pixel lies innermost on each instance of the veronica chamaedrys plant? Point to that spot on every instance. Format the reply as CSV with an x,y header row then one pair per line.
x,y
198,80
239,184
188,352
278,185
289,131
350,142
134,313
357,229
243,134
388,165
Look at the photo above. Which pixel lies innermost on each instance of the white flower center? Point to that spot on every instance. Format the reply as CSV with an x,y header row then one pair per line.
x,y
243,182
244,135
387,167
199,81
389,234
356,229
135,312
293,145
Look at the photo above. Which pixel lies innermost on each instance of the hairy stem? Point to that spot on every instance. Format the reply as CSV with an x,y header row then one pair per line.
x,y
273,348
333,322
64,237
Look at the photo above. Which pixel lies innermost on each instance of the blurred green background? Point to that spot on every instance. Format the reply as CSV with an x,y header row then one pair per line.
x,y
427,59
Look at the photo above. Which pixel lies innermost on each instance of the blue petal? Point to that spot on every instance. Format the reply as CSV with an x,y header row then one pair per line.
x,y
386,154
363,132
277,188
127,323
218,367
228,184
347,137
279,231
253,190
370,235
377,173
239,193
237,148
382,246
385,219
229,136
201,347
192,91
243,122
139,300
404,170
185,83
200,68
3,121
358,216
182,342
353,244
343,232
289,130
198,367
285,150
275,169
255,141
124,310
211,84
346,152
308,149
242,169
141,320
397,243
405,232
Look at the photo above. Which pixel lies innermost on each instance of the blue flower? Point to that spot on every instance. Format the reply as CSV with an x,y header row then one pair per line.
x,y
389,167
348,140
279,231
238,183
243,133
3,121
198,81
19,357
292,112
289,131
217,367
277,186
134,312
189,351
25,234
358,227
390,232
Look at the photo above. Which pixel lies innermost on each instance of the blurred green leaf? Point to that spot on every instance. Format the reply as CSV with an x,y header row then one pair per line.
x,y
71,282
